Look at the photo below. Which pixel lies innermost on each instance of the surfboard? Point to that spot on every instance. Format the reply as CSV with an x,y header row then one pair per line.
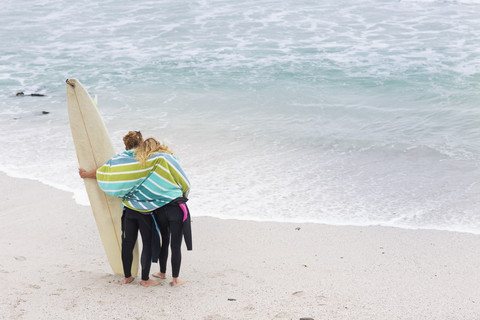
x,y
94,147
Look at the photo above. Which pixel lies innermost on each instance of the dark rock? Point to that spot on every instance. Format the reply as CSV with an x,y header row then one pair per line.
x,y
21,94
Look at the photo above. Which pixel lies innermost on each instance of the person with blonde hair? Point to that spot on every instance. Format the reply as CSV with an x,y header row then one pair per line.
x,y
149,147
173,218
146,176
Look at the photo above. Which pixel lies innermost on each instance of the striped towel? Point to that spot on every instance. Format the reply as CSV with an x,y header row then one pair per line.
x,y
143,188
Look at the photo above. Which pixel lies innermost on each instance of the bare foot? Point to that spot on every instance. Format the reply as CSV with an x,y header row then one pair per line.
x,y
149,282
127,280
159,275
177,282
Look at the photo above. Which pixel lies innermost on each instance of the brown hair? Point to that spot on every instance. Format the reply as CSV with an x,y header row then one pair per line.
x,y
132,139
148,148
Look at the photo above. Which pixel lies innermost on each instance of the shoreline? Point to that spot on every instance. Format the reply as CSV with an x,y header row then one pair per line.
x,y
328,224
52,265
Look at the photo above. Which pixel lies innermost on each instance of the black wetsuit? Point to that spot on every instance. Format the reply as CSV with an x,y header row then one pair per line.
x,y
132,221
170,222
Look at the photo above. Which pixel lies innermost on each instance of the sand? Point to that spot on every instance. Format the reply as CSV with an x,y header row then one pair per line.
x,y
52,266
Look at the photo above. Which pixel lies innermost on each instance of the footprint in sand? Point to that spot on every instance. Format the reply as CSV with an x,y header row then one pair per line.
x,y
321,300
19,302
58,292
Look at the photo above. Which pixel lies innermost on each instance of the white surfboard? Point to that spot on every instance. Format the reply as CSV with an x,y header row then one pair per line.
x,y
94,147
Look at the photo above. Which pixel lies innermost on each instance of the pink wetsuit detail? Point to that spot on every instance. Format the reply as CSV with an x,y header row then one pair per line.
x,y
185,211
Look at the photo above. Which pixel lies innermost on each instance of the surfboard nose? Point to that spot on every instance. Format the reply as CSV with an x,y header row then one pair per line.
x,y
71,82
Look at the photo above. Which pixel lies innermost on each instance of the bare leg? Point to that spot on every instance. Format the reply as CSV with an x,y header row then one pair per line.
x,y
149,282
177,282
159,275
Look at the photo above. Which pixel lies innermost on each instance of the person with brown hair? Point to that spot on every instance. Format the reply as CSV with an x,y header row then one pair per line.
x,y
133,220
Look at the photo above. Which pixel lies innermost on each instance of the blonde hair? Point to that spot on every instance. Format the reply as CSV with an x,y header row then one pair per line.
x,y
148,148
132,139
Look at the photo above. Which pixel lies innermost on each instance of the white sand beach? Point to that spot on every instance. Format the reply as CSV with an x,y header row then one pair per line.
x,y
52,266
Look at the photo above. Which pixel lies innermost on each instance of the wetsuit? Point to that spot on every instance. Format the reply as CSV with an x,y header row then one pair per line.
x,y
132,222
170,220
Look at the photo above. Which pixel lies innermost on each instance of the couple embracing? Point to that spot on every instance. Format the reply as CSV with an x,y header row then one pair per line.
x,y
154,189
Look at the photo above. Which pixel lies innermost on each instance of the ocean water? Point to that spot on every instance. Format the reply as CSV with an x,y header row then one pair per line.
x,y
339,112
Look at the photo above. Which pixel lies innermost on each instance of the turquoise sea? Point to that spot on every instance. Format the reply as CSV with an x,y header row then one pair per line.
x,y
338,112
